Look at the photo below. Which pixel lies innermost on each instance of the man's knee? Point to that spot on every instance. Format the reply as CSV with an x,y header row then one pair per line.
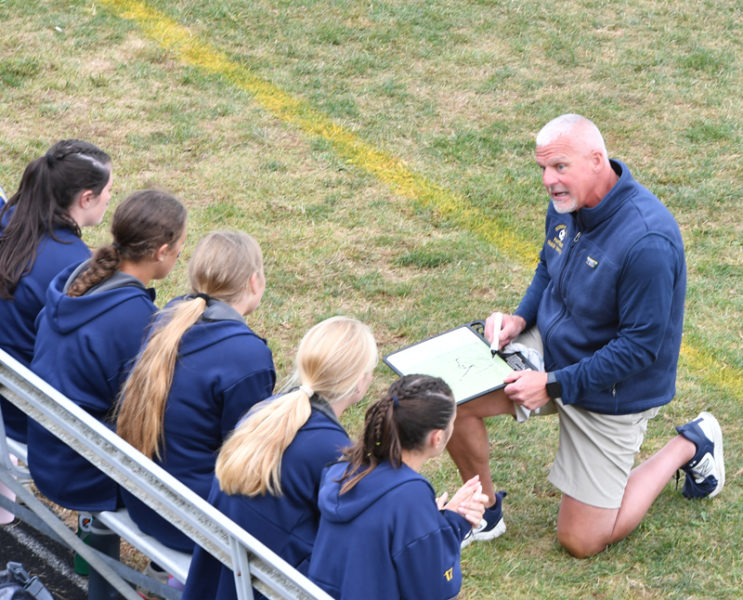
x,y
580,544
582,529
490,405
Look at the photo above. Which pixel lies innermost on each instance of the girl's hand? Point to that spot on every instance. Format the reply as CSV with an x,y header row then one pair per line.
x,y
469,501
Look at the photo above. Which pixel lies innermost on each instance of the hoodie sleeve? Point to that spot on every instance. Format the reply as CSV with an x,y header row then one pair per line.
x,y
128,339
240,397
428,567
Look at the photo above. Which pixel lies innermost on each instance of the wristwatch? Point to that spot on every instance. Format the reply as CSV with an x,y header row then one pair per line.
x,y
554,389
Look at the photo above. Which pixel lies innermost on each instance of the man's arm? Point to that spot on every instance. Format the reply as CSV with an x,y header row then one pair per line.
x,y
529,304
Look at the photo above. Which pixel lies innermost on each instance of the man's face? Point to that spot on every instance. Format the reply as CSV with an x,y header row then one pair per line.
x,y
568,173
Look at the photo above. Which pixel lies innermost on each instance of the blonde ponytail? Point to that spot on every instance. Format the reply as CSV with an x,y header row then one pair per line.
x,y
331,359
141,406
250,460
221,266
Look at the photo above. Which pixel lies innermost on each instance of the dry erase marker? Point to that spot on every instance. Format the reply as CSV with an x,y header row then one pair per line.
x,y
497,322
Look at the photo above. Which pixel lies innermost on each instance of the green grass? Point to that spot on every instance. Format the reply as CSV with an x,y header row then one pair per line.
x,y
453,93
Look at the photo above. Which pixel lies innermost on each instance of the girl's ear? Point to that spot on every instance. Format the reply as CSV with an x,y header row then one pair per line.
x,y
436,441
161,252
254,283
85,199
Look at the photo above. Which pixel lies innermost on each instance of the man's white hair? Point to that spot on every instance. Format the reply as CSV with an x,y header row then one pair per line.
x,y
566,125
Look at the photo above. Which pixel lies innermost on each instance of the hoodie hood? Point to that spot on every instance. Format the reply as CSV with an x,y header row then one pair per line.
x,y
218,322
341,508
66,314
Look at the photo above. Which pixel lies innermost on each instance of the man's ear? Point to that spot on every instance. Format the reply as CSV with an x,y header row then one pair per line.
x,y
597,159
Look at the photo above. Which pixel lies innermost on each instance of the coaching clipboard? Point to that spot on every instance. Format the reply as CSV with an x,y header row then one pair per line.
x,y
461,357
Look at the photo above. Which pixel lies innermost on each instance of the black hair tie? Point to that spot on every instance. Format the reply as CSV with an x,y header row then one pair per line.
x,y
117,246
49,159
205,297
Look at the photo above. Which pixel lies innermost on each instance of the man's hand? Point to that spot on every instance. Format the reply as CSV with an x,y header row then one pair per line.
x,y
527,388
511,326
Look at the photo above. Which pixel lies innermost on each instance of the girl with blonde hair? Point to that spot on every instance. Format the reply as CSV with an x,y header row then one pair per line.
x,y
268,472
201,369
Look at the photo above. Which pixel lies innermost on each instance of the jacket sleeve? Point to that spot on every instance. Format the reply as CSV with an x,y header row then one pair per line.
x,y
240,397
530,302
644,297
429,567
129,339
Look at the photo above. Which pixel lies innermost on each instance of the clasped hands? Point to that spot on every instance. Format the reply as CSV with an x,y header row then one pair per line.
x,y
468,501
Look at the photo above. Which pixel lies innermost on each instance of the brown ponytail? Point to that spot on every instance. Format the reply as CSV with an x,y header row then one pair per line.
x,y
141,224
48,188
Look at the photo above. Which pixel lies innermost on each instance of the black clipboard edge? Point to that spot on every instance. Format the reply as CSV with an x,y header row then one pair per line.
x,y
478,328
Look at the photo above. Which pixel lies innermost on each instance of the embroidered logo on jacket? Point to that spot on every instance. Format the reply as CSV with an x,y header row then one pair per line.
x,y
557,242
449,574
592,262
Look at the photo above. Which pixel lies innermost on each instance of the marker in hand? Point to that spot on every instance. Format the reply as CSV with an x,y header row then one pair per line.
x,y
497,322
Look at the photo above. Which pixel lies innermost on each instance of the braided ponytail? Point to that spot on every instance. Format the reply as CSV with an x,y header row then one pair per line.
x,y
142,223
413,406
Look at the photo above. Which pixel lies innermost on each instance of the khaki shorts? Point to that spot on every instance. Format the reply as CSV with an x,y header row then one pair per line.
x,y
597,451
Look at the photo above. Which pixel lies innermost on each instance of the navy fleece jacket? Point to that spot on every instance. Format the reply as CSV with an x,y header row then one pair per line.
x,y
287,524
608,298
18,316
223,369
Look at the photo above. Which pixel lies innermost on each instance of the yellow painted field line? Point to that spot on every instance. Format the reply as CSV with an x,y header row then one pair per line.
x,y
386,168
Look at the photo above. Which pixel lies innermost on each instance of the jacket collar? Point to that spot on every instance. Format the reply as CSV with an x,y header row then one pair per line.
x,y
216,310
321,405
588,218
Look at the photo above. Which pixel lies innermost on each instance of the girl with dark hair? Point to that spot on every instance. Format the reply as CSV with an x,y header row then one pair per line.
x,y
89,332
63,191
383,533
200,371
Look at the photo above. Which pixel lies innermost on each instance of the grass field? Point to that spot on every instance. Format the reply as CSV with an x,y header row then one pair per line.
x,y
382,153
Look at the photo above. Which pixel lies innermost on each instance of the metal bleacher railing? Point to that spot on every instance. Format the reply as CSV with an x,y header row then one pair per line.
x,y
208,527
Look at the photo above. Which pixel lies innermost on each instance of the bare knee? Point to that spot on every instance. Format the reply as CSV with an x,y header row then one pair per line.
x,y
584,530
580,546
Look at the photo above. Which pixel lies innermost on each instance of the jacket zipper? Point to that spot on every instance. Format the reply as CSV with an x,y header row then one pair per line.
x,y
575,240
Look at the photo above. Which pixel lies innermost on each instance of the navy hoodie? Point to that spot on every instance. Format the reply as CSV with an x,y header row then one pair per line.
x,y
385,538
84,348
287,524
223,369
18,316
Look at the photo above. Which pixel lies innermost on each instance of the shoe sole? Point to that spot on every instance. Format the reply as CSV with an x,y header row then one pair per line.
x,y
718,452
485,536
